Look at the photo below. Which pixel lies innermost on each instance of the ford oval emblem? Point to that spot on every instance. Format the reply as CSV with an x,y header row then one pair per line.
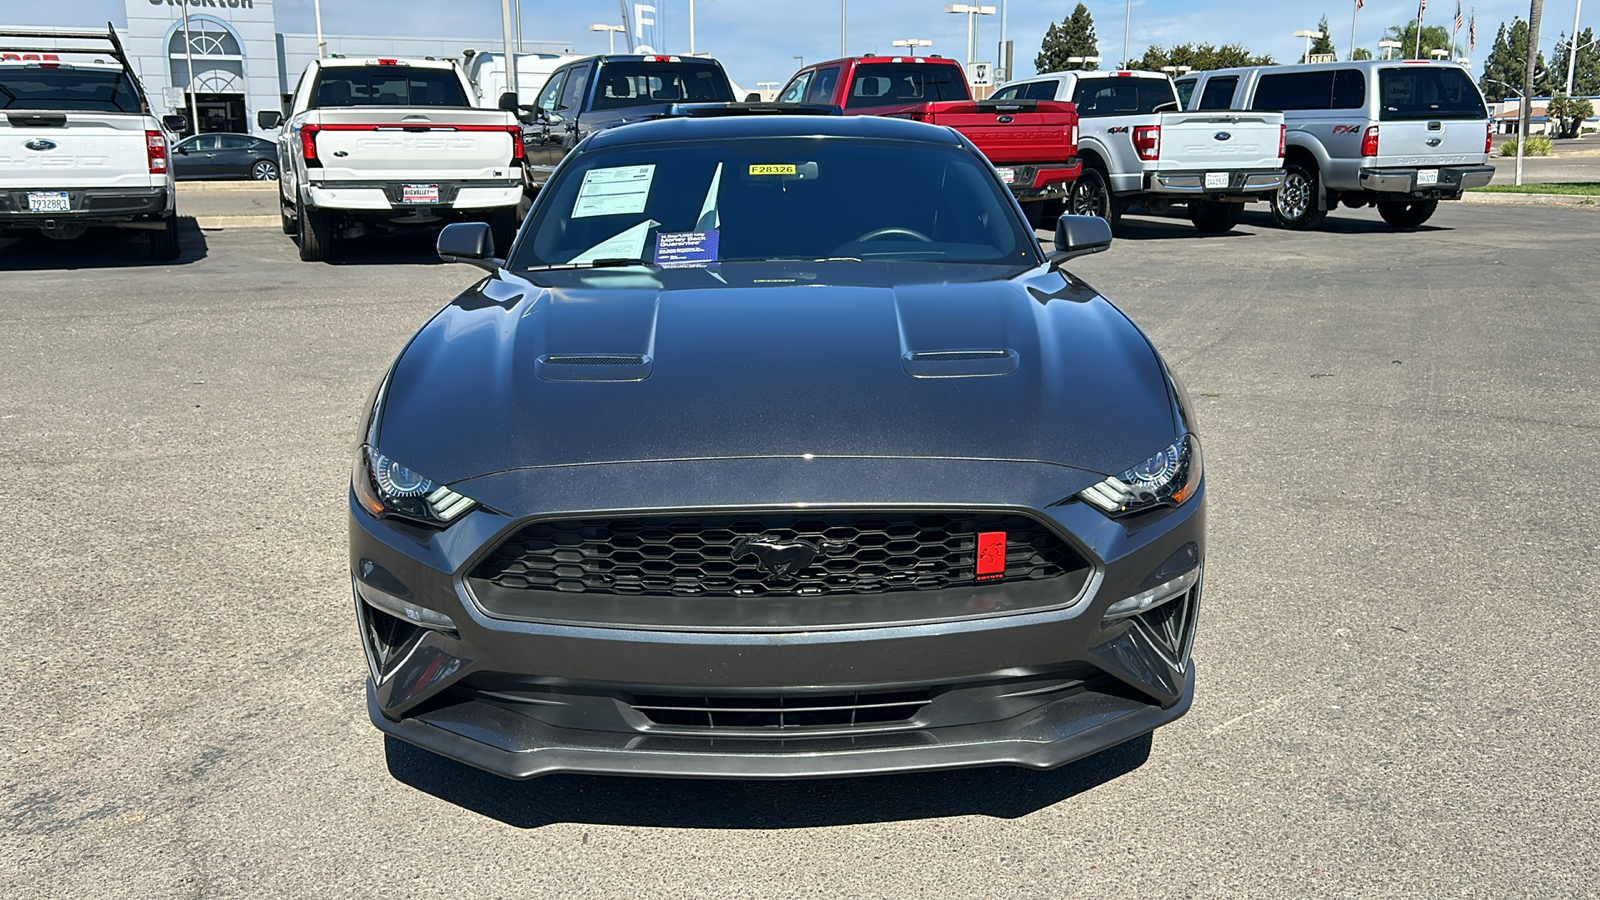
x,y
40,144
1223,136
1005,120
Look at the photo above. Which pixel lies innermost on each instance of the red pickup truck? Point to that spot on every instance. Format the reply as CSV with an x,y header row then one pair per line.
x,y
1032,143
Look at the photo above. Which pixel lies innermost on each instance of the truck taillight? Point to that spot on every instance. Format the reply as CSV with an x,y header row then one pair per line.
x,y
1369,142
308,144
155,148
1283,139
1073,135
517,154
1488,137
1147,141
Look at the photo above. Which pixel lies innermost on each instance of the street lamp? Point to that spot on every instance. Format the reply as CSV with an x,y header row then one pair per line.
x,y
1309,36
1084,59
972,13
611,35
1386,46
911,44
801,60
1522,107
1439,54
1177,70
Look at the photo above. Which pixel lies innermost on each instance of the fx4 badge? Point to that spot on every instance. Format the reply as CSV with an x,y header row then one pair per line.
x,y
1347,129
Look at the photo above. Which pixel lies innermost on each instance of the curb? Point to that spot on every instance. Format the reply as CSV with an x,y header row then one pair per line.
x,y
1503,199
206,187
223,222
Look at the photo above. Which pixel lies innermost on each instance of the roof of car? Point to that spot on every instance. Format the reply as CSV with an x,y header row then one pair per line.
x,y
721,127
347,61
1364,64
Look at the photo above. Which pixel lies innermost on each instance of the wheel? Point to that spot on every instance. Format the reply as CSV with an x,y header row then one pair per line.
x,y
164,243
1213,217
1407,213
316,234
264,170
289,226
503,228
1091,196
1295,204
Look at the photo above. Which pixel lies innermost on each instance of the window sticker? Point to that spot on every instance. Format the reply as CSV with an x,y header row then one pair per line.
x,y
614,192
773,170
680,249
627,245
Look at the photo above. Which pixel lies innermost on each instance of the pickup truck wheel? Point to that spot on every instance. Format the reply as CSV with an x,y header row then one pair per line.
x,y
1091,196
1295,204
1407,213
503,228
164,243
316,234
1213,217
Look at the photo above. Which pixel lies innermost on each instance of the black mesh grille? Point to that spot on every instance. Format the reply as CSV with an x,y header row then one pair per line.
x,y
782,711
959,355
814,554
596,360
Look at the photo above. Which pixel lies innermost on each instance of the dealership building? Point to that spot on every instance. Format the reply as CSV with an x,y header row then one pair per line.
x,y
239,63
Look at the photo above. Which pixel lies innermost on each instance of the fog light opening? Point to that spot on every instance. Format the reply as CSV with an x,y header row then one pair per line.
x,y
1144,601
405,610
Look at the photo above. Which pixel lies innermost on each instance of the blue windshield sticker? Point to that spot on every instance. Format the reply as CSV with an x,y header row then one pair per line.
x,y
686,248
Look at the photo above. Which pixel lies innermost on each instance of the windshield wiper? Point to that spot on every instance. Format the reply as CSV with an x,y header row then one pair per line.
x,y
609,262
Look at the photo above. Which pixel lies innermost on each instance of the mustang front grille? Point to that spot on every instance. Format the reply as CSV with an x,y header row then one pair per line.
x,y
783,554
782,711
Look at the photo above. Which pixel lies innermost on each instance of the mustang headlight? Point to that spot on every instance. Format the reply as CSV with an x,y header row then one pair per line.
x,y
1166,479
387,488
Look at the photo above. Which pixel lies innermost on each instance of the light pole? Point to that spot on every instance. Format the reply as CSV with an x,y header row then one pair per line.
x,y
322,45
843,44
1309,36
1388,46
1003,61
972,13
1522,135
1572,50
1127,24
911,44
511,56
611,35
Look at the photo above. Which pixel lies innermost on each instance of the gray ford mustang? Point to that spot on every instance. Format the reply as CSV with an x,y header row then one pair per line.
x,y
776,447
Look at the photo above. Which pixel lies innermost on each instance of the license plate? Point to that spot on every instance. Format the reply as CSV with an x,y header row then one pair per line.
x,y
1009,176
1216,179
419,193
1427,176
48,201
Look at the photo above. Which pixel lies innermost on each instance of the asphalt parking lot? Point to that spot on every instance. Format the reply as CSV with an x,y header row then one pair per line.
x,y
1395,661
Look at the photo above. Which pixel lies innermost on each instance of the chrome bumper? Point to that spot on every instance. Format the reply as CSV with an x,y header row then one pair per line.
x,y
1242,182
1452,180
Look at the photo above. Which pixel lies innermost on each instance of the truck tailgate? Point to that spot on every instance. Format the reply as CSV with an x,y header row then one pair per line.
x,y
1220,140
1012,132
384,143
90,149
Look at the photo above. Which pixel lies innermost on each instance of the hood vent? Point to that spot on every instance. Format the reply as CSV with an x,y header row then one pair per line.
x,y
960,363
593,367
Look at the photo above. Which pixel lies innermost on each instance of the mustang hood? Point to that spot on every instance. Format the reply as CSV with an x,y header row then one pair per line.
x,y
767,360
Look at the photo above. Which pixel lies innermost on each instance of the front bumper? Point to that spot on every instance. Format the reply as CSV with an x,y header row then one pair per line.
x,y
1241,184
92,206
1405,183
1038,686
390,196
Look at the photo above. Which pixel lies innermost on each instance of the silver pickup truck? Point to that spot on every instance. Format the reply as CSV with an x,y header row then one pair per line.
x,y
1139,147
1400,135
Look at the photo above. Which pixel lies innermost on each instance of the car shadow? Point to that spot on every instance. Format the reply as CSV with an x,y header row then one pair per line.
x,y
388,250
1000,792
98,248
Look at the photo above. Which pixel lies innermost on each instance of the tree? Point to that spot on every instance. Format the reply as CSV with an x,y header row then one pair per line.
x,y
1359,54
1073,37
1506,61
1571,113
1324,44
1199,57
1434,37
1586,76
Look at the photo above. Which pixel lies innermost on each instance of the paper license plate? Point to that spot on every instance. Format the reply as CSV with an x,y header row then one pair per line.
x,y
1009,176
419,193
1216,179
1427,176
48,201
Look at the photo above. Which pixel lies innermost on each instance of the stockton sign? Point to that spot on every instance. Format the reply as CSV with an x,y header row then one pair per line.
x,y
229,4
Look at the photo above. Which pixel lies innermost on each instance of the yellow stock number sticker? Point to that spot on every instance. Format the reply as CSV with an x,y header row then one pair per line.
x,y
772,170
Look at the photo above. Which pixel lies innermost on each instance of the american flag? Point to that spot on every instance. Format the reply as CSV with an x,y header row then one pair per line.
x,y
1472,33
1422,8
1359,4
1458,16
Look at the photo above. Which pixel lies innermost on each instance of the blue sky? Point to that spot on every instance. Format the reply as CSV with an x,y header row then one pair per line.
x,y
758,39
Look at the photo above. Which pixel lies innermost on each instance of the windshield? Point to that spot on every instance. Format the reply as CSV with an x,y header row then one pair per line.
x,y
66,88
1428,92
387,86
697,204
625,84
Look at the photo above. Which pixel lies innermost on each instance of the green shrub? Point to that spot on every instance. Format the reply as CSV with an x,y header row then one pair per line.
x,y
1538,145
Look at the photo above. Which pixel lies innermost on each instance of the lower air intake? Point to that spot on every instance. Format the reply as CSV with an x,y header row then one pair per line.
x,y
782,711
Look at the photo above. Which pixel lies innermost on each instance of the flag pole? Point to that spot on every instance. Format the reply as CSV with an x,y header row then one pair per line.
x,y
1417,54
1353,17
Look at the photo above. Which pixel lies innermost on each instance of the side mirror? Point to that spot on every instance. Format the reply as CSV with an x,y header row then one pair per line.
x,y
268,119
752,97
469,242
175,123
508,102
181,149
1079,236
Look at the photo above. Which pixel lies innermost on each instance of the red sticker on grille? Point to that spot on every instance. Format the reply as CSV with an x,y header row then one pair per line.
x,y
991,555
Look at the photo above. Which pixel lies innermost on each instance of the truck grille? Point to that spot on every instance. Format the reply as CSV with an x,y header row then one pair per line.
x,y
795,554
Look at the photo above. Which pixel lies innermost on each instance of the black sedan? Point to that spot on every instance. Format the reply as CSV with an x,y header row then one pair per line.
x,y
213,156
776,448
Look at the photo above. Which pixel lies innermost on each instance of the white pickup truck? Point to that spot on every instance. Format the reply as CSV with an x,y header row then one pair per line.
x,y
1138,147
393,144
78,145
